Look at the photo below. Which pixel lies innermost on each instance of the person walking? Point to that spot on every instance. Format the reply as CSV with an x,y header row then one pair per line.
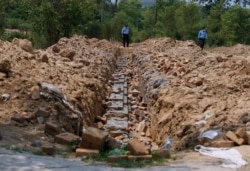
x,y
202,36
125,35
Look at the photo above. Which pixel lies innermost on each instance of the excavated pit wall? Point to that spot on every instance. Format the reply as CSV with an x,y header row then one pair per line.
x,y
97,69
79,67
150,82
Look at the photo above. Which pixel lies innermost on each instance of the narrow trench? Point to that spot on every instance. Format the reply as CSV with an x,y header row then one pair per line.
x,y
118,108
127,117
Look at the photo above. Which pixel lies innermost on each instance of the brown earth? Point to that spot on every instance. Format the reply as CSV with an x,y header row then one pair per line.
x,y
79,67
181,85
210,86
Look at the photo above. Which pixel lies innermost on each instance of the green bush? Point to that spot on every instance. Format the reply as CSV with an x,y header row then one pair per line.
x,y
11,36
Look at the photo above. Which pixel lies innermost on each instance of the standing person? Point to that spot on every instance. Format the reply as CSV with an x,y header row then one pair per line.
x,y
125,35
202,36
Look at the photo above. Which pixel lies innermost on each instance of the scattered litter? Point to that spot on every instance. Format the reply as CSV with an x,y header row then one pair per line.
x,y
46,96
199,123
167,143
53,90
50,90
232,158
207,116
5,97
211,134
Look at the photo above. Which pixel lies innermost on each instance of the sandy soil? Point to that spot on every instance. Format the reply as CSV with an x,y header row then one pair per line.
x,y
187,91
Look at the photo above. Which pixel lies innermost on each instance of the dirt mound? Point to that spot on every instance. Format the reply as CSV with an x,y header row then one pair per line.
x,y
190,91
77,69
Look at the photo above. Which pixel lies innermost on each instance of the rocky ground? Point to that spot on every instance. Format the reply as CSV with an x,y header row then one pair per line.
x,y
174,90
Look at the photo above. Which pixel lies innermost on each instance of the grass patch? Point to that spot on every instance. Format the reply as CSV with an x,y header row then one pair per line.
x,y
39,153
173,157
23,149
16,148
132,164
158,160
71,146
105,154
125,163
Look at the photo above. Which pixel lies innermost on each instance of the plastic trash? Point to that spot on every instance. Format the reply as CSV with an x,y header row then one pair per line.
x,y
5,97
168,143
51,90
232,158
211,134
208,116
199,123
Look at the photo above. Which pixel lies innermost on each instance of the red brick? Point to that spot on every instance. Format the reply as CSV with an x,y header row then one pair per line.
x,y
52,128
139,157
148,134
66,138
116,158
93,138
120,137
115,133
226,144
232,136
240,132
48,149
163,153
86,152
102,118
99,125
247,137
137,148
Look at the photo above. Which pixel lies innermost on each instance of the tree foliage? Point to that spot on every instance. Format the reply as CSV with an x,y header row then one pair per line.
x,y
186,25
47,21
226,3
235,25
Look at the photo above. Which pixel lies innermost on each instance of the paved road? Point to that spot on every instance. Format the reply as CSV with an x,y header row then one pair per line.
x,y
14,161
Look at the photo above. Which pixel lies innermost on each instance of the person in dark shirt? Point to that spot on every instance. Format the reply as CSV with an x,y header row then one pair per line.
x,y
125,35
202,36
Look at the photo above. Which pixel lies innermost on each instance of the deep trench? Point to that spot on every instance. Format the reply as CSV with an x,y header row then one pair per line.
x,y
123,114
126,112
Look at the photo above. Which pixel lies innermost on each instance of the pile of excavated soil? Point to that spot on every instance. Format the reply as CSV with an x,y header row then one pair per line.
x,y
76,70
190,91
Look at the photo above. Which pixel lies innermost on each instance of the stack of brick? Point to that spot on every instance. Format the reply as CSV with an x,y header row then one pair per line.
x,y
93,140
239,137
60,137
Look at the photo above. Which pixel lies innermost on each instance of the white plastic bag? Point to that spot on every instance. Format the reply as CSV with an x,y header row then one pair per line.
x,y
232,158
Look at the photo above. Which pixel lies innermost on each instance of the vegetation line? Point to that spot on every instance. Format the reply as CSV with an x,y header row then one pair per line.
x,y
45,22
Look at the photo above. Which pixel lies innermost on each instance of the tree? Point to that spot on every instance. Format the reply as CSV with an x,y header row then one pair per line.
x,y
226,3
235,26
132,9
187,19
214,25
69,15
116,24
46,23
148,23
167,15
2,17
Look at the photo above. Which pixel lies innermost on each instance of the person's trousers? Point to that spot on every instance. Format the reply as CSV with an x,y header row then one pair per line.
x,y
202,42
125,40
